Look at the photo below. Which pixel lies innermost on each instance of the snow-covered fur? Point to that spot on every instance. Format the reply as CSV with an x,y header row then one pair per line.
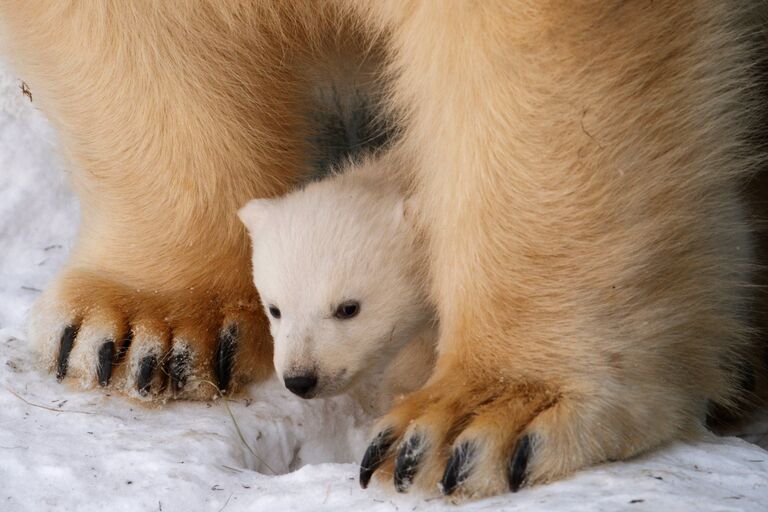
x,y
344,240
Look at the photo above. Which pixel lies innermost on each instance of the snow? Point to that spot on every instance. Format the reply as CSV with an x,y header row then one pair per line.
x,y
61,449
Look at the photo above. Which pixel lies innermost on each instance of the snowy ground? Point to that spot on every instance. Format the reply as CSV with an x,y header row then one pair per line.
x,y
64,450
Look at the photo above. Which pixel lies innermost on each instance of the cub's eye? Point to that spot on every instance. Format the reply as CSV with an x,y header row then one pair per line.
x,y
347,310
274,312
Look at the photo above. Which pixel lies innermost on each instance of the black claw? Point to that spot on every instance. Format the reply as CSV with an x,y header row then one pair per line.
x,y
144,374
65,347
375,455
225,355
104,365
179,370
458,468
407,462
518,464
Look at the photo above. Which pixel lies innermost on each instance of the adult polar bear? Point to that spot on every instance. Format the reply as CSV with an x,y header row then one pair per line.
x,y
576,167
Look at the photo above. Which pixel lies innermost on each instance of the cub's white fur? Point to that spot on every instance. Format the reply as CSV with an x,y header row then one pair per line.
x,y
346,238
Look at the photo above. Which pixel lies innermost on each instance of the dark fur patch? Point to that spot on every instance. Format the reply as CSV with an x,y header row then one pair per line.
x,y
344,128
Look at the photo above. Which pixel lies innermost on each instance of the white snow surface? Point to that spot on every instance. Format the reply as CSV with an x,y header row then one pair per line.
x,y
61,449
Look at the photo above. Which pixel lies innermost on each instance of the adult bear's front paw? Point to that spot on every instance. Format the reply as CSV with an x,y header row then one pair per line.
x,y
93,330
465,437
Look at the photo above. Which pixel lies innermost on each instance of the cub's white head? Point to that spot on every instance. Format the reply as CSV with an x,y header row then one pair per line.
x,y
337,268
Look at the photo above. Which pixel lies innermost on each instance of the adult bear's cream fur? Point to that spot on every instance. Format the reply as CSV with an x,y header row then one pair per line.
x,y
577,170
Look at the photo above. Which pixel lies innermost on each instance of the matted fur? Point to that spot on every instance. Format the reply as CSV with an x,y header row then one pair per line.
x,y
577,168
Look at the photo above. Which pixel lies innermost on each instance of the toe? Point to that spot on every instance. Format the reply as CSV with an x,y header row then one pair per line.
x,y
92,355
144,374
180,367
191,360
408,460
518,463
105,358
224,361
67,341
243,350
376,454
52,328
458,468
151,342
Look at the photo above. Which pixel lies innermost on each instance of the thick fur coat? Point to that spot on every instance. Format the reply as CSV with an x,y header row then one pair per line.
x,y
577,169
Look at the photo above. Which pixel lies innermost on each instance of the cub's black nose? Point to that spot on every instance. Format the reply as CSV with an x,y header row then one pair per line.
x,y
301,385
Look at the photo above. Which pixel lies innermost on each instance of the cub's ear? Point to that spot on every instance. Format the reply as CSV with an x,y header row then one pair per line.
x,y
254,212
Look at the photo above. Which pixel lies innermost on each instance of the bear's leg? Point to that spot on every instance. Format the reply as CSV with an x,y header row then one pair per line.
x,y
578,174
172,116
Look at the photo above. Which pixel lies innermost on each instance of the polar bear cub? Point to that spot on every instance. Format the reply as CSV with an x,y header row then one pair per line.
x,y
340,272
